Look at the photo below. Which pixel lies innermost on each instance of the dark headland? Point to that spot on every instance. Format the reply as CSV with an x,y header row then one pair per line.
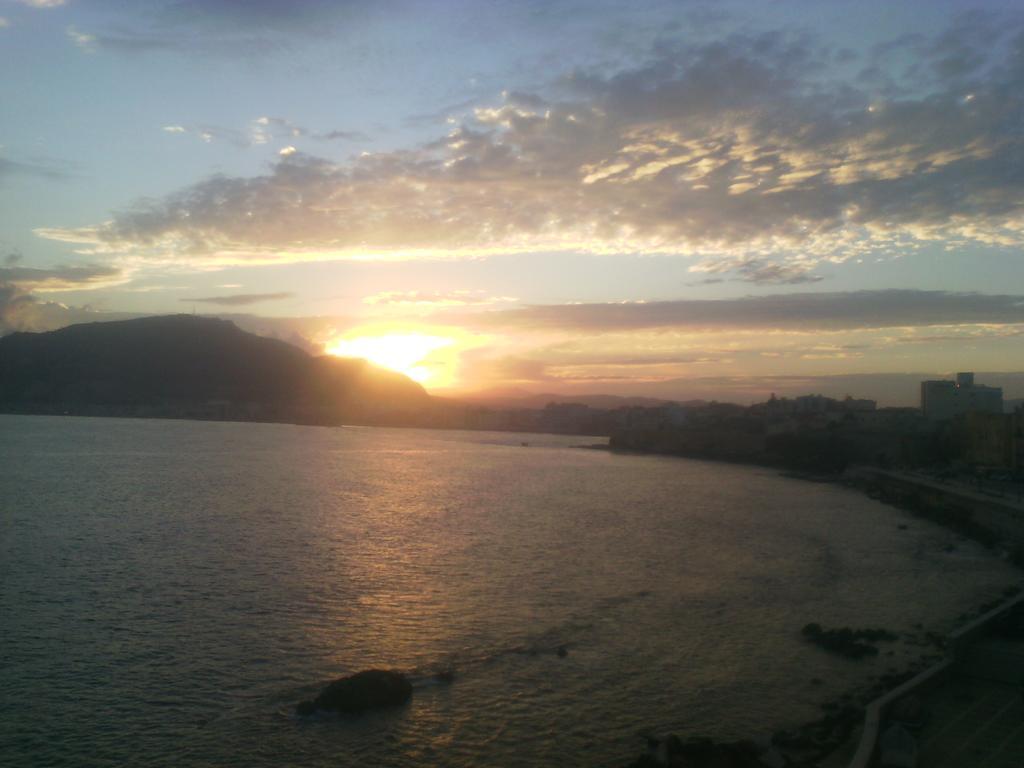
x,y
182,366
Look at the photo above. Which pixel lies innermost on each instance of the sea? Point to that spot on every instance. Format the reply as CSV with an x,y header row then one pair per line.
x,y
170,590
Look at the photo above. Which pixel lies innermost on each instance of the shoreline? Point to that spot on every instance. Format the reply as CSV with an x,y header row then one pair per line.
x,y
837,738
827,740
354,422
945,505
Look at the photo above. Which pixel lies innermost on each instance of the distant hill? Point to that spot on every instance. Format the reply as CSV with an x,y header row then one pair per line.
x,y
521,399
182,365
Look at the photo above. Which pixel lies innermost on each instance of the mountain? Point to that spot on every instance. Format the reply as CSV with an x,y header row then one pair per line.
x,y
519,398
182,365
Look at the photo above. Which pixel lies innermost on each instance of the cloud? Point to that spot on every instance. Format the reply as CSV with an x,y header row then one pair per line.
x,y
554,365
220,27
42,3
483,370
750,148
801,312
633,359
445,114
435,299
4,23
69,278
139,41
211,133
14,303
264,128
260,131
83,40
759,271
40,167
685,383
241,299
260,15
21,311
342,136
961,334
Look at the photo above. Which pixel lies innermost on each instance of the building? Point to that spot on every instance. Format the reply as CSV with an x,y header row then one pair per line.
x,y
1017,441
859,405
944,399
988,439
995,441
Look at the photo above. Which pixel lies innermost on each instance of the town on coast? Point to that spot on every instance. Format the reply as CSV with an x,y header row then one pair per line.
x,y
956,461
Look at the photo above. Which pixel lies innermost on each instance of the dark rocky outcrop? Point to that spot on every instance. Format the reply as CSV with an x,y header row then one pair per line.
x,y
372,689
852,643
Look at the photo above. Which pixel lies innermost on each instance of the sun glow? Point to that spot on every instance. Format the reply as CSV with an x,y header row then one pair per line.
x,y
413,354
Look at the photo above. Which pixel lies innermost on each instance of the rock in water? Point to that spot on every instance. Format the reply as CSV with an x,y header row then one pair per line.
x,y
371,689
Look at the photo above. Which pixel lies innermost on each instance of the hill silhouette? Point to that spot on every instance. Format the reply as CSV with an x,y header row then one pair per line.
x,y
193,367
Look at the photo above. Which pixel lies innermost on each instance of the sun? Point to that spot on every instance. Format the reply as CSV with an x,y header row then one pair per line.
x,y
409,353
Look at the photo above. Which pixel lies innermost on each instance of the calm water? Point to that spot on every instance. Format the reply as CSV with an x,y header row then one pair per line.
x,y
169,591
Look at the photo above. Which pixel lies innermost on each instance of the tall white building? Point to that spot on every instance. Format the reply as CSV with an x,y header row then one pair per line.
x,y
945,399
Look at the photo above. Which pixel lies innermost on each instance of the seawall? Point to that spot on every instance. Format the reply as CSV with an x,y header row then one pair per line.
x,y
987,518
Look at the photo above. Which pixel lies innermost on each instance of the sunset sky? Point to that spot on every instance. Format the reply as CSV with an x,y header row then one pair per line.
x,y
637,198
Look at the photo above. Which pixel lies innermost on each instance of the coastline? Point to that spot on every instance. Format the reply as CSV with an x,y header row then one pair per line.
x,y
834,739
949,506
850,725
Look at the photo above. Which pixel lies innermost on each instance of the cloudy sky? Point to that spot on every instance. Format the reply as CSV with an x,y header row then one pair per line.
x,y
557,196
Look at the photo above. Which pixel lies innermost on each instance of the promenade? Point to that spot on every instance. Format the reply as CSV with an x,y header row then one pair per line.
x,y
1004,495
971,703
976,717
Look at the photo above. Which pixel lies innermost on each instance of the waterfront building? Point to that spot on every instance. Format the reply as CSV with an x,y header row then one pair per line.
x,y
988,440
943,399
1017,438
859,405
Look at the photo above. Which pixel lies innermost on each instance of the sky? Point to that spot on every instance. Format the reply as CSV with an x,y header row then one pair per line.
x,y
667,197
